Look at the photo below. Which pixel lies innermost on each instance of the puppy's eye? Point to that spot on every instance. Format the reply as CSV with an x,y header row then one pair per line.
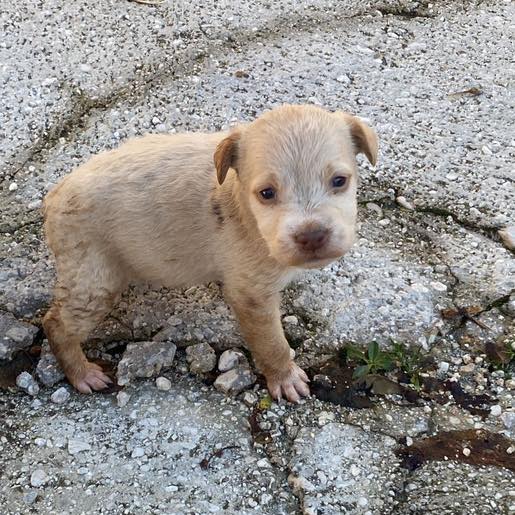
x,y
339,182
267,193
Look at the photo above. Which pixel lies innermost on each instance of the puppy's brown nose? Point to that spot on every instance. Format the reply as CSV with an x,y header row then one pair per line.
x,y
311,240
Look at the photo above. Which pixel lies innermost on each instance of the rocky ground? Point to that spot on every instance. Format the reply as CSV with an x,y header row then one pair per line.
x,y
433,269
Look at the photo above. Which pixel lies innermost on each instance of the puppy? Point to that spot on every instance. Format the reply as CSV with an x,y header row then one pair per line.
x,y
249,208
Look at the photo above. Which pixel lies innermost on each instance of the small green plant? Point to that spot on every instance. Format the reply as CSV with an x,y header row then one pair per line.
x,y
377,361
371,362
408,360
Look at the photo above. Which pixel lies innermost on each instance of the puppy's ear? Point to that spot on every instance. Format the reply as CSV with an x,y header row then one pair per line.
x,y
226,154
364,138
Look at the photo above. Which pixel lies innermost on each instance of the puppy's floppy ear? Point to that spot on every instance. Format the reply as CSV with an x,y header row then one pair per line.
x,y
364,138
226,154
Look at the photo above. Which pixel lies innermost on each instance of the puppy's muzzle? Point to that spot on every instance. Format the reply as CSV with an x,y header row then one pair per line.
x,y
312,240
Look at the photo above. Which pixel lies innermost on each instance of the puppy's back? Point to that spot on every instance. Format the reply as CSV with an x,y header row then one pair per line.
x,y
142,201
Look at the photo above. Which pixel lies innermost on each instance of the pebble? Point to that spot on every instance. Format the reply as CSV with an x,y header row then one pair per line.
x,y
76,445
60,396
466,451
13,186
234,381
495,410
229,359
354,470
291,319
403,202
443,367
48,370
438,286
138,452
122,398
163,384
144,359
38,478
27,383
384,222
249,398
30,497
201,357
508,419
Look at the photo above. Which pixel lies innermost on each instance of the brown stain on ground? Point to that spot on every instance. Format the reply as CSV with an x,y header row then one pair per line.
x,y
486,448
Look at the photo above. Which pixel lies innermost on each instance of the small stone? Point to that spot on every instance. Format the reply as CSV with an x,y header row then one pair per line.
x,y
60,396
201,357
409,441
235,380
403,202
76,445
122,398
508,236
384,222
30,497
438,286
249,398
354,470
466,451
48,370
38,478
291,319
27,383
443,367
495,410
230,359
325,417
163,384
138,452
35,204
14,335
144,359
510,449
300,484
13,186
508,419
343,79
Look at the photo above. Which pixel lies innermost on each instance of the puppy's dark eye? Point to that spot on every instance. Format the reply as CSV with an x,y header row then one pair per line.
x,y
339,182
267,193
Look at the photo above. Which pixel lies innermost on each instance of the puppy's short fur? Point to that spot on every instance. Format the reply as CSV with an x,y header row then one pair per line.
x,y
280,196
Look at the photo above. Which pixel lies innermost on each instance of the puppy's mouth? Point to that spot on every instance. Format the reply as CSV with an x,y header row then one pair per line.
x,y
317,259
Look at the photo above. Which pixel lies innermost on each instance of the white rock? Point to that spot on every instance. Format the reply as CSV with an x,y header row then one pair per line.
x,y
27,383
13,186
163,384
138,452
235,380
60,396
38,478
403,202
291,319
443,367
122,398
229,359
75,446
249,398
466,451
438,286
495,410
508,419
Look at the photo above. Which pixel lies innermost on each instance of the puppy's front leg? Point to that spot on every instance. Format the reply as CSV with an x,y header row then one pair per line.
x,y
260,321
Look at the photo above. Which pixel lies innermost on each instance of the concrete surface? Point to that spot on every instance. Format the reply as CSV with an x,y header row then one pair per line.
x,y
435,80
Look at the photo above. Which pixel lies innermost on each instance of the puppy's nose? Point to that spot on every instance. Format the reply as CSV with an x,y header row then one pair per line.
x,y
313,239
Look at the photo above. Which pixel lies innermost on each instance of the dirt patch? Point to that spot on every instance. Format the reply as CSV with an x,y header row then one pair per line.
x,y
472,446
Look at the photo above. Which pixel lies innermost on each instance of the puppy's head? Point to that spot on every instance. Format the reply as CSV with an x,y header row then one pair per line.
x,y
296,170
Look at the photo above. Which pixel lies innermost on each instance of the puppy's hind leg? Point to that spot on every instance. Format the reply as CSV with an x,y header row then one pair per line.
x,y
86,290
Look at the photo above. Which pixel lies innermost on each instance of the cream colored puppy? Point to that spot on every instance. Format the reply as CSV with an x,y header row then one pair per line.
x,y
279,197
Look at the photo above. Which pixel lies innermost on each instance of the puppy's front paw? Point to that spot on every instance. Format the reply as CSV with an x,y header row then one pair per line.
x,y
89,377
291,384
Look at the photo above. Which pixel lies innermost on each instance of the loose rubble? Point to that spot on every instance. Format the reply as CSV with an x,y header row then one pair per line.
x,y
27,383
14,335
235,380
144,359
201,358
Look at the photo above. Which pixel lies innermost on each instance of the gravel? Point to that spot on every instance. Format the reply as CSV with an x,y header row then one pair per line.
x,y
201,358
27,383
435,233
144,359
